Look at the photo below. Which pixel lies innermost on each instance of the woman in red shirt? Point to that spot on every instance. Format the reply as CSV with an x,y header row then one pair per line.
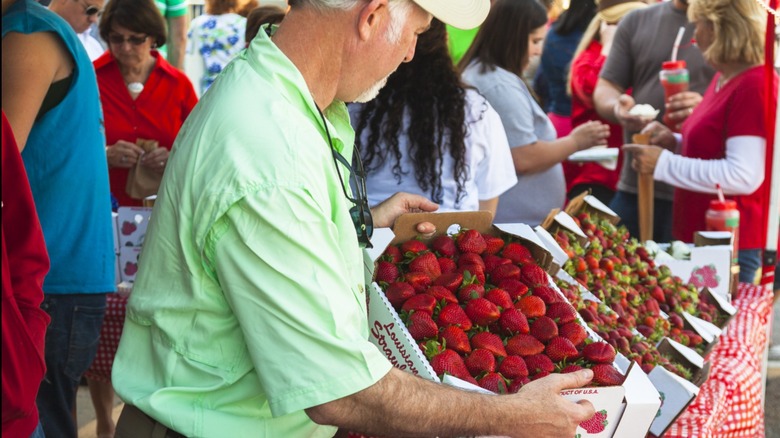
x,y
143,96
588,59
724,139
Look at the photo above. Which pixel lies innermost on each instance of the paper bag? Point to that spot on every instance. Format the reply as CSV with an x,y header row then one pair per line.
x,y
142,181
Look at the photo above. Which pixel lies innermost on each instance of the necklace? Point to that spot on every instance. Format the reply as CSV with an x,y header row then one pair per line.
x,y
135,87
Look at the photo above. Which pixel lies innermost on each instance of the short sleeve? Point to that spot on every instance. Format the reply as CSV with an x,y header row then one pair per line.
x,y
751,93
513,104
617,68
496,171
584,75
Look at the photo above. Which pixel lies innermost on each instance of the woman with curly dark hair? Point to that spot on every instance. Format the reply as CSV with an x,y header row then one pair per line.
x,y
425,133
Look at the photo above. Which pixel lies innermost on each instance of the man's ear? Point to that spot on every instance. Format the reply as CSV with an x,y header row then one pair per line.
x,y
371,17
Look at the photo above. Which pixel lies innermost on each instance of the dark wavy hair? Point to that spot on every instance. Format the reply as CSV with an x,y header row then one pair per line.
x,y
502,40
427,91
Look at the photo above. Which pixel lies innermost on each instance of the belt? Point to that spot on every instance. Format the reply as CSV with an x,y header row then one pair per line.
x,y
134,423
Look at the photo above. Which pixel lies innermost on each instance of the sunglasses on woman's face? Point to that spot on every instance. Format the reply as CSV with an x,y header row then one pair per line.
x,y
115,38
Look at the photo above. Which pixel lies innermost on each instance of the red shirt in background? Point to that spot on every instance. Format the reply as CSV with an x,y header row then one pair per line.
x,y
584,75
157,113
737,109
25,264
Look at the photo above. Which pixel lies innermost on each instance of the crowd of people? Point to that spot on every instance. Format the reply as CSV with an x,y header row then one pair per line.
x,y
276,140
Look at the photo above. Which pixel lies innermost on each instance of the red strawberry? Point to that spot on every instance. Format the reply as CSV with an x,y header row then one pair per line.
x,y
482,311
494,261
504,272
547,294
128,228
419,280
561,312
533,275
440,293
450,280
539,363
450,362
573,332
540,374
490,342
606,375
596,424
493,244
386,272
560,349
469,259
531,306
516,288
480,361
455,338
500,298
444,246
413,246
453,314
427,263
421,326
517,384
470,292
544,329
513,367
517,253
471,241
447,265
392,254
397,293
523,345
599,352
571,368
420,303
513,321
494,382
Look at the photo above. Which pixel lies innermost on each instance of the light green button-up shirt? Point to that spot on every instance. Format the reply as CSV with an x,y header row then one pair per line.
x,y
249,304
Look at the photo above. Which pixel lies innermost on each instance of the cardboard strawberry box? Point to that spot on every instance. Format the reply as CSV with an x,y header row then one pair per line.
x,y
131,225
590,204
391,335
709,265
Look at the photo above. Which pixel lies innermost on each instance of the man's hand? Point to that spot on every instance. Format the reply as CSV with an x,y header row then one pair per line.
x,y
661,135
386,212
629,122
644,157
681,105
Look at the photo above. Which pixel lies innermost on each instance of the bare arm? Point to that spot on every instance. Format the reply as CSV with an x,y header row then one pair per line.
x,y
177,40
605,96
490,205
541,155
31,63
401,404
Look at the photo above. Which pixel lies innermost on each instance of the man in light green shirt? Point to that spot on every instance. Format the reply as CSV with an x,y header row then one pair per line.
x,y
248,314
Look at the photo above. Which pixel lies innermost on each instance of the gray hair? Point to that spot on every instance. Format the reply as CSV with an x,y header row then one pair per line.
x,y
399,12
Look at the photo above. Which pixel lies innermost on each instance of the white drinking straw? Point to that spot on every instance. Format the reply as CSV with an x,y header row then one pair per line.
x,y
677,42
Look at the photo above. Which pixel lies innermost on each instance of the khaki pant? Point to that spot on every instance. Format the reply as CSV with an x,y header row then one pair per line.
x,y
133,423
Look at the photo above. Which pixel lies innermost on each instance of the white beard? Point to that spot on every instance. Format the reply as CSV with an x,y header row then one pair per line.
x,y
372,91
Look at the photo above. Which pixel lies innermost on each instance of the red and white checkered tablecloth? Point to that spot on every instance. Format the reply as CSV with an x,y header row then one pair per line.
x,y
729,403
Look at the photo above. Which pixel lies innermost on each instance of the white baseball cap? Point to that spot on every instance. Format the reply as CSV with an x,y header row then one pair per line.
x,y
463,14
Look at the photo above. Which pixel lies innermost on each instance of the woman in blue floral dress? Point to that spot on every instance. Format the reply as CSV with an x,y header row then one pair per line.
x,y
214,39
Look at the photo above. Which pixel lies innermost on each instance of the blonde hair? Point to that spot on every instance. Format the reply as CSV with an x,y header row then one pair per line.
x,y
738,27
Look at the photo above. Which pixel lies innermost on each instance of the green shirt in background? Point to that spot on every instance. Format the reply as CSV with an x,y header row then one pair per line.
x,y
170,9
249,305
459,41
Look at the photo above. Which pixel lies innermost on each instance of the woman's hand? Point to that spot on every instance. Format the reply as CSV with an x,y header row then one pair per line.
x,y
123,154
661,135
590,134
156,159
681,105
385,213
644,157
